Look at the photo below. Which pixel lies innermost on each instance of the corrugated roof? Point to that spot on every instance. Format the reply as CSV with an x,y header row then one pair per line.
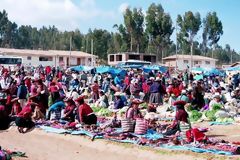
x,y
44,52
195,57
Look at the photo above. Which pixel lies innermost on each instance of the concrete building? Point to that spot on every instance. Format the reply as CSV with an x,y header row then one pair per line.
x,y
184,61
114,59
49,57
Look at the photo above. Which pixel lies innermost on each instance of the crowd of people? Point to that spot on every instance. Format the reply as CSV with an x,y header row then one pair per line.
x,y
49,93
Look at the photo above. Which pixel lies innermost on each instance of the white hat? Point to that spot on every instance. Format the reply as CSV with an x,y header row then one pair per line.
x,y
184,91
217,95
157,79
151,78
237,89
117,94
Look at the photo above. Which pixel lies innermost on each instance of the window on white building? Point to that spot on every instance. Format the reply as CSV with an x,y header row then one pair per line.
x,y
29,58
195,62
207,62
118,57
60,59
45,59
111,58
185,61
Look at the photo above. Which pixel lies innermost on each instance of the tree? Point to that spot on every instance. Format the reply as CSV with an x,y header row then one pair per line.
x,y
158,27
138,19
212,29
189,26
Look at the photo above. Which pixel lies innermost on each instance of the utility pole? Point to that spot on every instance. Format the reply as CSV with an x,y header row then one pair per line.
x,y
92,52
69,61
176,45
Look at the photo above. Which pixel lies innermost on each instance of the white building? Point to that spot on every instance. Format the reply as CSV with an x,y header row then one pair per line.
x,y
114,59
50,57
184,61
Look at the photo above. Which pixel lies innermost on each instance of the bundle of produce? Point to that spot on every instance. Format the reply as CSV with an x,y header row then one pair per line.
x,y
195,115
104,112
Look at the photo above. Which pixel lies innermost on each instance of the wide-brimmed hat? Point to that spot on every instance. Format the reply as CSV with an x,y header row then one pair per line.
x,y
54,89
184,91
157,79
179,103
136,101
216,95
117,94
80,98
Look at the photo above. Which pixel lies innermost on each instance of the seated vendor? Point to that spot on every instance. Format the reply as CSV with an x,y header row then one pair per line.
x,y
133,111
118,102
181,118
24,118
216,100
85,112
102,101
68,113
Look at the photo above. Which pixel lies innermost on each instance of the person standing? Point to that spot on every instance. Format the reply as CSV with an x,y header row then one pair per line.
x,y
22,94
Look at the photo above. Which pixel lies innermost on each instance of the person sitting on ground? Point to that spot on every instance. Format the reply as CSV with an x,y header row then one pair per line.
x,y
181,118
85,112
118,102
133,111
216,100
24,118
102,101
68,113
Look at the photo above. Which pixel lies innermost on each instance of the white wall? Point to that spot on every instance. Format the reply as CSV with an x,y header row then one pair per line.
x,y
183,66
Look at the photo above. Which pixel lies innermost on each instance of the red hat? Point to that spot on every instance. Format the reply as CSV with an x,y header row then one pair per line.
x,y
178,103
52,84
80,98
54,89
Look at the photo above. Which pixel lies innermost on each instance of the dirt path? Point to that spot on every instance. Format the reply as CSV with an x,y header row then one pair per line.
x,y
39,145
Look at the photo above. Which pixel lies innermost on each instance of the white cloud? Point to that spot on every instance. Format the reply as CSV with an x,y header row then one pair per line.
x,y
122,8
62,13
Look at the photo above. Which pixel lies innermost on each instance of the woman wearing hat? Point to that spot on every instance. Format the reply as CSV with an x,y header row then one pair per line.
x,y
133,111
68,113
85,112
181,117
24,118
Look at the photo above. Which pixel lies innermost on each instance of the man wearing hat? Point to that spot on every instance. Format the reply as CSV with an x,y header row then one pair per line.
x,y
85,112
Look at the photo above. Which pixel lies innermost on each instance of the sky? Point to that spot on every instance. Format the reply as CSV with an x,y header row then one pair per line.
x,y
85,14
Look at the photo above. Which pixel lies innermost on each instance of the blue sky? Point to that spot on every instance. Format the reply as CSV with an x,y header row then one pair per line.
x,y
85,14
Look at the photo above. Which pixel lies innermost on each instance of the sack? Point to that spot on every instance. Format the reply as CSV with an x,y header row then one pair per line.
x,y
127,125
141,126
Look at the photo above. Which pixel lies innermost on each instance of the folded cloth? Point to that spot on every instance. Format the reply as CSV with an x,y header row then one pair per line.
x,y
54,130
220,123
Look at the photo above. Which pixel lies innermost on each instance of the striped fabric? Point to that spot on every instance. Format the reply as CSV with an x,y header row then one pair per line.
x,y
141,126
127,125
184,127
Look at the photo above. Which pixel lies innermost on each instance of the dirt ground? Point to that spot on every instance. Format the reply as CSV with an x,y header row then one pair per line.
x,y
39,145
